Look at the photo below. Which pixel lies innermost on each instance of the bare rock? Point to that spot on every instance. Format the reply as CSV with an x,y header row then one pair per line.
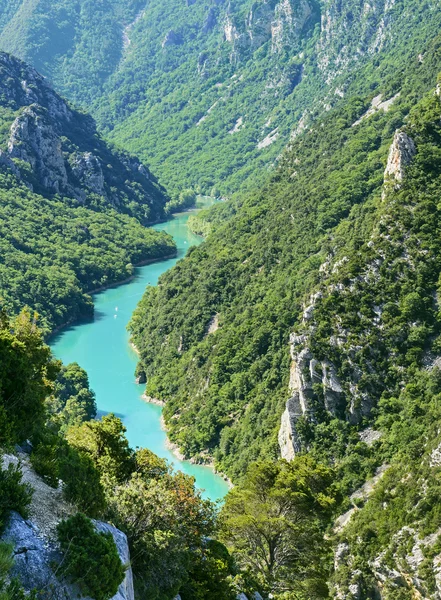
x,y
401,154
34,141
289,442
290,19
8,163
35,545
369,436
172,38
258,24
87,168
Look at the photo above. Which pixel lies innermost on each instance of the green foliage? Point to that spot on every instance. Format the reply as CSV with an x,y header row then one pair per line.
x,y
179,106
82,485
86,231
73,402
225,391
211,574
6,560
404,506
166,521
54,460
26,377
90,558
274,524
53,253
14,495
10,590
106,446
186,199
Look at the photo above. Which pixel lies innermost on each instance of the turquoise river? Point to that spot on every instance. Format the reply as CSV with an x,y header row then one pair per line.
x,y
102,348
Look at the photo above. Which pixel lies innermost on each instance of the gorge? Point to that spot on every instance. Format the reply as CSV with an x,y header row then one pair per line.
x,y
102,348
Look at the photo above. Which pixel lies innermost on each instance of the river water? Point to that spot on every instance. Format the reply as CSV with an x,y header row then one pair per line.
x,y
102,348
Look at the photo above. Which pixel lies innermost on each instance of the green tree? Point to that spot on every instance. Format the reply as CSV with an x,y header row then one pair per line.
x,y
274,525
91,558
105,444
26,377
72,402
166,521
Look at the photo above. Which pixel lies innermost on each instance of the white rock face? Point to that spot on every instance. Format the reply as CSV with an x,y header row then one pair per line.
x,y
306,372
88,169
288,439
289,20
34,141
401,154
269,139
125,590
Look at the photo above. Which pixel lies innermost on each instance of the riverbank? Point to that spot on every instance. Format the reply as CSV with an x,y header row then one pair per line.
x,y
109,286
142,263
102,347
175,450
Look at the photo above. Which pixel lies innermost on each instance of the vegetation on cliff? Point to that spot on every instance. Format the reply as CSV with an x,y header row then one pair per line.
x,y
225,390
72,211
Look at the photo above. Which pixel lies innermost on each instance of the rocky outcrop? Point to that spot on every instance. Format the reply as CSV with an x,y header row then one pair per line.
x,y
282,24
87,168
350,32
290,19
172,38
5,161
56,150
258,24
210,21
141,378
36,559
33,140
401,154
313,385
396,568
34,541
125,590
25,86
289,442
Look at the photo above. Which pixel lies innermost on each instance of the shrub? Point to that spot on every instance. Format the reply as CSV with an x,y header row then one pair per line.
x,y
90,558
14,495
81,480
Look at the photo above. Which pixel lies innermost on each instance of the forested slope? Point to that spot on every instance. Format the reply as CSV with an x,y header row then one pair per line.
x,y
73,211
316,331
209,93
214,336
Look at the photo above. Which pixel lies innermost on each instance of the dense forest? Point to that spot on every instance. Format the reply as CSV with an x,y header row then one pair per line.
x,y
72,210
360,294
210,93
296,349
225,390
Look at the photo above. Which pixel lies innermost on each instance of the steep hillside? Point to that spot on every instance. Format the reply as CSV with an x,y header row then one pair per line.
x,y
316,331
214,336
73,210
209,93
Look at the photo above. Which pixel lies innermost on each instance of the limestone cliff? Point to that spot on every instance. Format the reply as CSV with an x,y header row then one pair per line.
x,y
336,376
54,149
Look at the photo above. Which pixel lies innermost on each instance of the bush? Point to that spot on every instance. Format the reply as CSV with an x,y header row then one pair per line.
x,y
82,485
11,590
14,495
91,559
